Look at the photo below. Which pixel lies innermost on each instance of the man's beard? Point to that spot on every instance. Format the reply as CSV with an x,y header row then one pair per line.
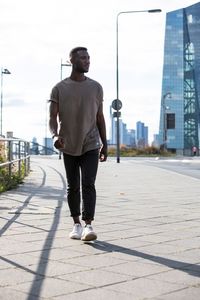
x,y
81,70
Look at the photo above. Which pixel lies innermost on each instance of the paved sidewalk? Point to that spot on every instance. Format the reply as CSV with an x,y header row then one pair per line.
x,y
148,246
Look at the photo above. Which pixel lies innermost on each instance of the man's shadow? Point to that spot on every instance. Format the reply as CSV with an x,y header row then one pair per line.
x,y
191,269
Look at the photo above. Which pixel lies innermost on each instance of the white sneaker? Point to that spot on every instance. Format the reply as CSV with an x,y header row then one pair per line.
x,y
76,232
88,233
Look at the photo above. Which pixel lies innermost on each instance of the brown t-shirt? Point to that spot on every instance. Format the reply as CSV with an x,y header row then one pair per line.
x,y
78,102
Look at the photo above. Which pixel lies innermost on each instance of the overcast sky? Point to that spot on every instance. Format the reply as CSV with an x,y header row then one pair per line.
x,y
37,34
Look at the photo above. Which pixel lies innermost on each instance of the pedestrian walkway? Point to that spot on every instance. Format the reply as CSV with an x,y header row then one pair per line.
x,y
148,247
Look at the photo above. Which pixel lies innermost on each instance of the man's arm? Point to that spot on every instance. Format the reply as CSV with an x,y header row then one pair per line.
x,y
53,114
102,131
53,125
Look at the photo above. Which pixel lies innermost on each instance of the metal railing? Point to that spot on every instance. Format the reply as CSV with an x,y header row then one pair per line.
x,y
38,149
15,156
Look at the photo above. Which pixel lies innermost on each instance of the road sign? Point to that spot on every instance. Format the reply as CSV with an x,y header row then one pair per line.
x,y
116,104
115,114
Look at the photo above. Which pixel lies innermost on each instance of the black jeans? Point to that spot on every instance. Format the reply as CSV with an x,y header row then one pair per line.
x,y
82,168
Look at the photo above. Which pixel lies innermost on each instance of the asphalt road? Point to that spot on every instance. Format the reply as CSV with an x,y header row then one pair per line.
x,y
189,166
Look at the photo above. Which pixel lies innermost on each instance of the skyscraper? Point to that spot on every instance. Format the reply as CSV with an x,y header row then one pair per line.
x,y
141,134
179,114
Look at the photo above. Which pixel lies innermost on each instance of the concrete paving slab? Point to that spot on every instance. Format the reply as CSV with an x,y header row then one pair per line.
x,y
180,276
96,278
145,288
183,294
50,287
10,294
138,269
96,293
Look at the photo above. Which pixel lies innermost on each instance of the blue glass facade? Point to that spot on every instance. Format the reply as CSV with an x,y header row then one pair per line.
x,y
179,114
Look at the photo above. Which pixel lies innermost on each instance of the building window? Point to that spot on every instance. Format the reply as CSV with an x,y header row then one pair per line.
x,y
170,121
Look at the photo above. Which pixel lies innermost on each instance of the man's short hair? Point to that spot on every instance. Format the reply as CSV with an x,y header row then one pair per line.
x,y
76,49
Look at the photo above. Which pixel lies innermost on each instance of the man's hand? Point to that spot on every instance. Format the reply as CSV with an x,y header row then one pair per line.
x,y
103,154
58,142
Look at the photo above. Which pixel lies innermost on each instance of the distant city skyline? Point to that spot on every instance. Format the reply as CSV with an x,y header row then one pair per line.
x,y
133,137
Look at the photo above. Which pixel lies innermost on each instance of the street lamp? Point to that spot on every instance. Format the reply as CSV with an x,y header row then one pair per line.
x,y
3,71
165,96
117,68
68,64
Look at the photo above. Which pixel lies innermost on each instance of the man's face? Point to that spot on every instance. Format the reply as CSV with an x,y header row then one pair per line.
x,y
81,61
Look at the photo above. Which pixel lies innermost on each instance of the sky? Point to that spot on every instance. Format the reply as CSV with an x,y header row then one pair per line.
x,y
36,35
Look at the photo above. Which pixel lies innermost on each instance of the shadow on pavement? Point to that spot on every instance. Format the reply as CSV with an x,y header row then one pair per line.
x,y
24,205
191,269
41,269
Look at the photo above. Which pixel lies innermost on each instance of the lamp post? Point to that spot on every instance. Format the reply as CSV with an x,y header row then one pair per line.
x,y
3,71
68,64
117,67
165,96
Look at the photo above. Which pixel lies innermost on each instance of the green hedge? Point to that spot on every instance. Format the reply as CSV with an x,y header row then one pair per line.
x,y
9,182
132,152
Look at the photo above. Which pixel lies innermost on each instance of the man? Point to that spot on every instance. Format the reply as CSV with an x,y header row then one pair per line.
x,y
76,107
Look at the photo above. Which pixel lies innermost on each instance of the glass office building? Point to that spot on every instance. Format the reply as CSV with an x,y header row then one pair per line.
x,y
179,128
